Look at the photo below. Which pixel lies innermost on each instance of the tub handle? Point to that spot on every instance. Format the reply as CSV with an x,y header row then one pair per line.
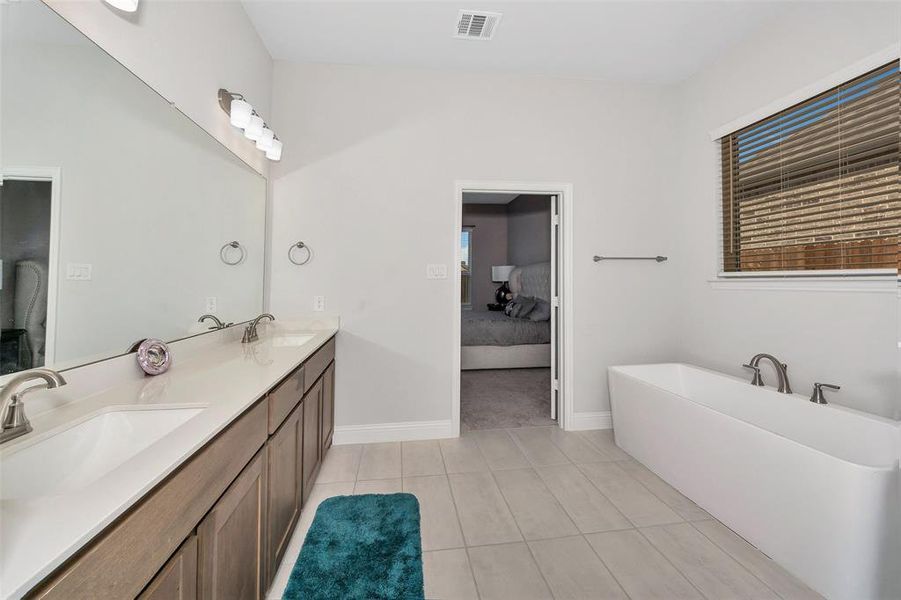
x,y
818,396
757,379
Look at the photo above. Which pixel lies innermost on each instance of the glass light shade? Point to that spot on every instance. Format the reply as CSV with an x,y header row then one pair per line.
x,y
240,112
275,152
126,5
501,274
254,128
266,139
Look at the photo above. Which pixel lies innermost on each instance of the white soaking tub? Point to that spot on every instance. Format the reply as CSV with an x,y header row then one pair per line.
x,y
815,487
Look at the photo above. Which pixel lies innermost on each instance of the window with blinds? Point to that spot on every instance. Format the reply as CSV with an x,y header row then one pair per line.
x,y
816,186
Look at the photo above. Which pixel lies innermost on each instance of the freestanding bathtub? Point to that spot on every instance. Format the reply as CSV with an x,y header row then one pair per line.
x,y
815,487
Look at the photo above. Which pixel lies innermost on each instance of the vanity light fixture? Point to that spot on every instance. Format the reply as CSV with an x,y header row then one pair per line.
x,y
126,5
275,152
266,139
242,115
240,111
254,128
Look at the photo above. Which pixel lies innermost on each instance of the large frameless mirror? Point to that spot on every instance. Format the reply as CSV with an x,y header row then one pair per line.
x,y
120,218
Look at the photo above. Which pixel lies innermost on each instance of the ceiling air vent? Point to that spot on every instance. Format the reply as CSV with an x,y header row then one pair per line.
x,y
477,25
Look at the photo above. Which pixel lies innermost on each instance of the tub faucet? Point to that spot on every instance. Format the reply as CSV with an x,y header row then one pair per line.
x,y
781,370
15,423
250,333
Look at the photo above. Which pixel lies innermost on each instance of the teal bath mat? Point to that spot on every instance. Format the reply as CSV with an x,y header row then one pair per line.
x,y
361,548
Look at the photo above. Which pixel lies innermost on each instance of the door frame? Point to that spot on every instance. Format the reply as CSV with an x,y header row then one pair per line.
x,y
564,192
54,176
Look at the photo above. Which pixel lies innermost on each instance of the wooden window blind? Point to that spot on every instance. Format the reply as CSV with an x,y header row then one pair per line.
x,y
816,186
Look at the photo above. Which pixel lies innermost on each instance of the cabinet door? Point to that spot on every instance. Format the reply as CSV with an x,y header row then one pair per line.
x,y
284,487
177,580
312,402
328,407
231,538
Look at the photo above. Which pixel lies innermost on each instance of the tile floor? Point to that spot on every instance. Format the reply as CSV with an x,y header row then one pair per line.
x,y
542,513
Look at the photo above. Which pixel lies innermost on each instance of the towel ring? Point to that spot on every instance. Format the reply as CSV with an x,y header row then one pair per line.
x,y
223,253
301,246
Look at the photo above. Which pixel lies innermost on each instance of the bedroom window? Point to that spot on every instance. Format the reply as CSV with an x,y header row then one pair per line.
x,y
466,267
815,188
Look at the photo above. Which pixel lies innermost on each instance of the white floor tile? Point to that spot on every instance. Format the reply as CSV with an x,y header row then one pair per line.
x,y
448,575
422,458
573,571
507,572
712,571
534,508
483,513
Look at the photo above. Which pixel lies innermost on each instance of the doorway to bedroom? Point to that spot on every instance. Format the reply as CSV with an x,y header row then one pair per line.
x,y
510,309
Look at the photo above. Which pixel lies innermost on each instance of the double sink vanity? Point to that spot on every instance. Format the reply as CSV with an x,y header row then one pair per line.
x,y
184,485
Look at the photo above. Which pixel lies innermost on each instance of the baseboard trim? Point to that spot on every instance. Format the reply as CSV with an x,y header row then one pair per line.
x,y
600,419
393,432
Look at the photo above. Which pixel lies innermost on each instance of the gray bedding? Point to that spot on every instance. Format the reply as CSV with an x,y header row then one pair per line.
x,y
494,328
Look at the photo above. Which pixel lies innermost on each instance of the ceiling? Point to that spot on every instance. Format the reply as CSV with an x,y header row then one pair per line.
x,y
637,41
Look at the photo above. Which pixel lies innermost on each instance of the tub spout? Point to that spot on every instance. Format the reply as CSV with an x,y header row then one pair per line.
x,y
781,370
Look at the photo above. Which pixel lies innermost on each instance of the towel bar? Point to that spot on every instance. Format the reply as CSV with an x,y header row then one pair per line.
x,y
657,258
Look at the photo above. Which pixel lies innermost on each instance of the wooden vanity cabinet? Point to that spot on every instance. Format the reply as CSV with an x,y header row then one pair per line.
x,y
177,580
219,526
312,409
231,539
125,557
284,488
328,407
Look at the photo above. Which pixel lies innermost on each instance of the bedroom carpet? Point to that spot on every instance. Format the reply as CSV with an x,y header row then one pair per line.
x,y
505,398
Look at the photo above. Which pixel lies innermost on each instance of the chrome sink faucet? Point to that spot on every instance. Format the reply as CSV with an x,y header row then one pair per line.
x,y
14,422
217,323
781,370
250,333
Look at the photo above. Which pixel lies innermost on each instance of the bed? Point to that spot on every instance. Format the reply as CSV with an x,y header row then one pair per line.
x,y
492,340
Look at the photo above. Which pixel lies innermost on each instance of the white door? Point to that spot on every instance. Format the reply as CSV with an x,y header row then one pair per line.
x,y
555,306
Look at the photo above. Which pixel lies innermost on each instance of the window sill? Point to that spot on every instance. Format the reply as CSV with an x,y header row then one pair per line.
x,y
873,284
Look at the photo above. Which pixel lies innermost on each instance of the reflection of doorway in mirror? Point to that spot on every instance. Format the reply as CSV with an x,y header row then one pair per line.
x,y
29,215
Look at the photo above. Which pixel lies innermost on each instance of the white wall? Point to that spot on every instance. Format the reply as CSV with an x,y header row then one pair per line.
x,y
186,51
847,338
367,179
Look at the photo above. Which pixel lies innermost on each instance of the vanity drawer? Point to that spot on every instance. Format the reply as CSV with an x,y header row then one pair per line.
x,y
285,397
316,364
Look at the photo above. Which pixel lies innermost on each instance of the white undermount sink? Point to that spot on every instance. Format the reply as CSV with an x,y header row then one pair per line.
x,y
292,339
83,453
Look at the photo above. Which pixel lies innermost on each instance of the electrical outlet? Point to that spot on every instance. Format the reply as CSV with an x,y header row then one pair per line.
x,y
210,305
436,271
79,271
319,303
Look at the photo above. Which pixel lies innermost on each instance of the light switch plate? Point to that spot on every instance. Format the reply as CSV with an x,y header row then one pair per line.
x,y
79,271
436,271
319,303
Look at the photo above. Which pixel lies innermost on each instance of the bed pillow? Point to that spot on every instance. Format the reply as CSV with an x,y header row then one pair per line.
x,y
542,311
520,307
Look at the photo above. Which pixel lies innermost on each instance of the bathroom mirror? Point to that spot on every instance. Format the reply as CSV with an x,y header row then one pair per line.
x,y
117,210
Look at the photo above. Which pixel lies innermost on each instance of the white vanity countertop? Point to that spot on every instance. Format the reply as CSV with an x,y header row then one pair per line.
x,y
37,534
